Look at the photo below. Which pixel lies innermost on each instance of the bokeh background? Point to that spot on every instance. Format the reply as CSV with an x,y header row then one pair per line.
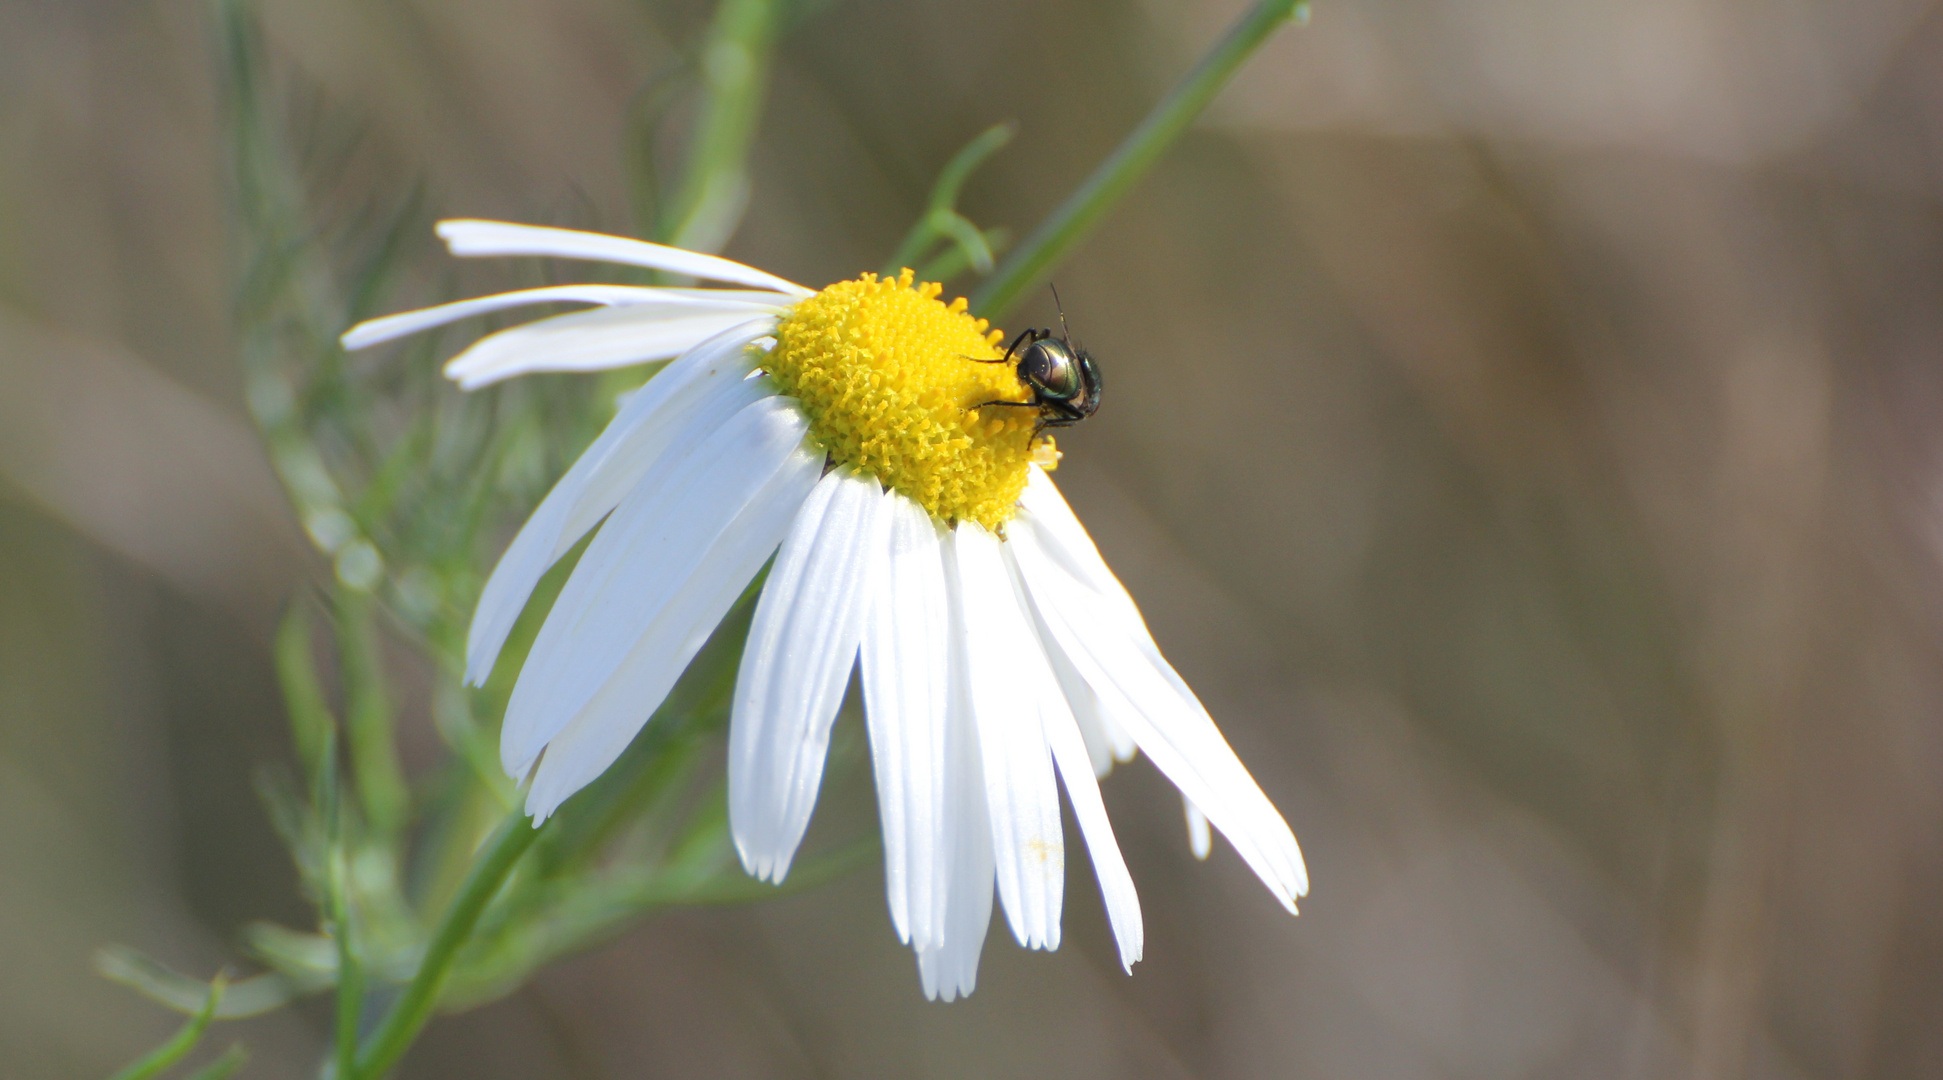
x,y
1523,430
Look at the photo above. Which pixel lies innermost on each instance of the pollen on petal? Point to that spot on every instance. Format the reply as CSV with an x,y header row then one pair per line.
x,y
892,381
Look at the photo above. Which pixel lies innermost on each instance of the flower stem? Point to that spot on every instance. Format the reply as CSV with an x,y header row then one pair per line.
x,y
735,77
1033,260
414,1007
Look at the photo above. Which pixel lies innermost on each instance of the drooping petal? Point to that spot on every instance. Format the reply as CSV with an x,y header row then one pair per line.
x,y
466,237
699,390
386,328
595,340
905,671
1021,795
1105,742
601,731
1142,693
1058,534
650,546
801,648
1062,538
1109,866
949,969
1199,839
1062,732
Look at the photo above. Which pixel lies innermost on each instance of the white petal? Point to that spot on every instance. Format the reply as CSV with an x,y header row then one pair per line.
x,y
1109,866
1069,752
1064,541
655,539
1062,538
698,391
1141,692
374,331
470,237
801,648
950,969
602,730
1198,837
1106,743
598,339
905,672
1020,792
1117,893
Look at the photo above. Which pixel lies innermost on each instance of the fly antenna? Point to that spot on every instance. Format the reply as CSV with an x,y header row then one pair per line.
x,y
1064,331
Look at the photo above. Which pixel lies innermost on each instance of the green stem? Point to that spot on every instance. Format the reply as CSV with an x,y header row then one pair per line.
x,y
183,1041
350,974
1032,261
414,1007
735,76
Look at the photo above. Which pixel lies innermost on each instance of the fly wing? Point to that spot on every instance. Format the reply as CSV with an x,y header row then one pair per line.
x,y
1090,382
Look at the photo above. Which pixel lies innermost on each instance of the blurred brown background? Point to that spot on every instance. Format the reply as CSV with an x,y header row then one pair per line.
x,y
1522,431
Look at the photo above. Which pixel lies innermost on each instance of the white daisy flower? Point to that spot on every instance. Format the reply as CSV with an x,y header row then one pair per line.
x,y
916,538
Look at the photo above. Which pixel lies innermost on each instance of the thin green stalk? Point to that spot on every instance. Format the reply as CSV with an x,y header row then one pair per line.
x,y
350,973
735,76
1032,261
414,1007
337,909
179,1044
382,792
941,217
231,1060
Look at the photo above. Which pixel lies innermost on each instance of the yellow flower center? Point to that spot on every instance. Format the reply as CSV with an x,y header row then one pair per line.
x,y
890,379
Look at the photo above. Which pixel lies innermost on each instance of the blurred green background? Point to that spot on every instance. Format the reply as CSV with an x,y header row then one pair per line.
x,y
1522,431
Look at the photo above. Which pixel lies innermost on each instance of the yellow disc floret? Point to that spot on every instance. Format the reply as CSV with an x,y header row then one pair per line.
x,y
891,380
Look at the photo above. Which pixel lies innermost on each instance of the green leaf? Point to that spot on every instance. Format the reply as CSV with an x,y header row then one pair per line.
x,y
305,960
294,821
941,219
248,997
311,721
954,260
